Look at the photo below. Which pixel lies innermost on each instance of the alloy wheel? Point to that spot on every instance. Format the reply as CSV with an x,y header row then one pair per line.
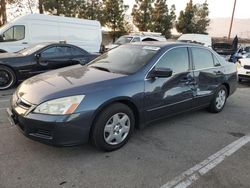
x,y
221,99
117,129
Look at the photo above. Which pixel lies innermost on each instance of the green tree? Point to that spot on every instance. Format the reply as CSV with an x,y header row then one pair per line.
x,y
70,8
93,10
201,20
142,14
114,13
162,19
194,19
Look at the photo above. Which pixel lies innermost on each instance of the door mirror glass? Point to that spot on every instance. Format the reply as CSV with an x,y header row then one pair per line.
x,y
37,56
160,73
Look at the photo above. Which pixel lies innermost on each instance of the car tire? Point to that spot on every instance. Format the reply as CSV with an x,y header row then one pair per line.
x,y
113,127
219,100
7,78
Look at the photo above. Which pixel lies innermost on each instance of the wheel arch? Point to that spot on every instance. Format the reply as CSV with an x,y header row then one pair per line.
x,y
10,67
2,51
228,88
124,100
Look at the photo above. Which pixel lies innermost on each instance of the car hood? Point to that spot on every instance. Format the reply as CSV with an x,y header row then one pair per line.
x,y
10,55
245,61
69,81
111,46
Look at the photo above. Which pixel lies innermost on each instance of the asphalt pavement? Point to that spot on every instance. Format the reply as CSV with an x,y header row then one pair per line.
x,y
152,157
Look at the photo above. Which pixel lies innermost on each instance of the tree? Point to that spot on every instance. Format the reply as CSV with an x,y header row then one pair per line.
x,y
93,10
201,20
141,13
114,13
3,15
162,20
70,8
40,6
194,19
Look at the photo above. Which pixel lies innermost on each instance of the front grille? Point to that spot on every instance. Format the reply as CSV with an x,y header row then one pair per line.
x,y
247,67
21,102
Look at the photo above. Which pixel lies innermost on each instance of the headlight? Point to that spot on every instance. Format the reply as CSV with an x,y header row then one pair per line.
x,y
238,64
61,106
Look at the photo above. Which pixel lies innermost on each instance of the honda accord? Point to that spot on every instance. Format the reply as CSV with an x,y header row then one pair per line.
x,y
123,89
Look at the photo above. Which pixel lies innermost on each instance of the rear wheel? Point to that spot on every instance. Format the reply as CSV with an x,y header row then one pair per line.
x,y
7,78
113,127
219,100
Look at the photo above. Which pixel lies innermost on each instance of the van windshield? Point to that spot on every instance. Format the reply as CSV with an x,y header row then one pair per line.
x,y
32,49
126,59
123,40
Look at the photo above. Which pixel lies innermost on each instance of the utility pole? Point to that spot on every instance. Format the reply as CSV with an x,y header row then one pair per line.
x,y
232,19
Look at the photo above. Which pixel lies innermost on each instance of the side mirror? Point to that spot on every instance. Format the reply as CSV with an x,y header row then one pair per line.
x,y
160,73
37,56
244,52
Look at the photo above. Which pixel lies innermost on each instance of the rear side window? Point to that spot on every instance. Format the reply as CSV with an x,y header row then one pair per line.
x,y
202,58
176,59
14,33
76,51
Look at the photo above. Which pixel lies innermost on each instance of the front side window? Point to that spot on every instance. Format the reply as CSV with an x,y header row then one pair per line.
x,y
49,52
14,33
202,58
176,59
136,39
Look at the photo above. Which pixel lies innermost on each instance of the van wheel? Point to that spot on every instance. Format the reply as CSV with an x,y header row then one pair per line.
x,y
7,78
2,51
219,100
113,127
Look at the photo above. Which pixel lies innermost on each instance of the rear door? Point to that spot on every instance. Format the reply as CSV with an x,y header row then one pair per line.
x,y
208,74
166,96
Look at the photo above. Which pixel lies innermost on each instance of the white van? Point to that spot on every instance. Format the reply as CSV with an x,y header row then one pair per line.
x,y
36,28
203,39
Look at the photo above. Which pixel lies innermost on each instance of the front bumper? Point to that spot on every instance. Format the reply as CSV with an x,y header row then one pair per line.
x,y
244,73
53,130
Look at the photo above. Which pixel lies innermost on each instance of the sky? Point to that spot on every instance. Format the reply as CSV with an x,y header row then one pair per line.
x,y
217,8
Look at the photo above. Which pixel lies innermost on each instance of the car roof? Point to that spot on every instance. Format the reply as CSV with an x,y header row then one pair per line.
x,y
163,44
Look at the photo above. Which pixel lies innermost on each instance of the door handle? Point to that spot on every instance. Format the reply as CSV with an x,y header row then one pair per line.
x,y
25,43
188,80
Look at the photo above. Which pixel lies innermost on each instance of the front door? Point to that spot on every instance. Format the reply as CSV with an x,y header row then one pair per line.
x,y
167,96
55,57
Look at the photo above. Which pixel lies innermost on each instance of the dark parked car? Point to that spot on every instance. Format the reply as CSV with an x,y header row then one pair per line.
x,y
125,88
37,59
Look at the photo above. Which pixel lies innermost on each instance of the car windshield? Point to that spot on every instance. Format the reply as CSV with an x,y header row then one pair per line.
x,y
123,40
126,59
32,49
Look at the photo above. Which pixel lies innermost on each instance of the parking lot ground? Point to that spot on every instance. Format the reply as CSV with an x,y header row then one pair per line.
x,y
152,157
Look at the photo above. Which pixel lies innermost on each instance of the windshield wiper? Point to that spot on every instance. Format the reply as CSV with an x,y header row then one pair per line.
x,y
101,68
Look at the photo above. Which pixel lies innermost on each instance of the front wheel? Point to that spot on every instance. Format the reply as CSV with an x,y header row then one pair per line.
x,y
113,127
219,100
7,78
